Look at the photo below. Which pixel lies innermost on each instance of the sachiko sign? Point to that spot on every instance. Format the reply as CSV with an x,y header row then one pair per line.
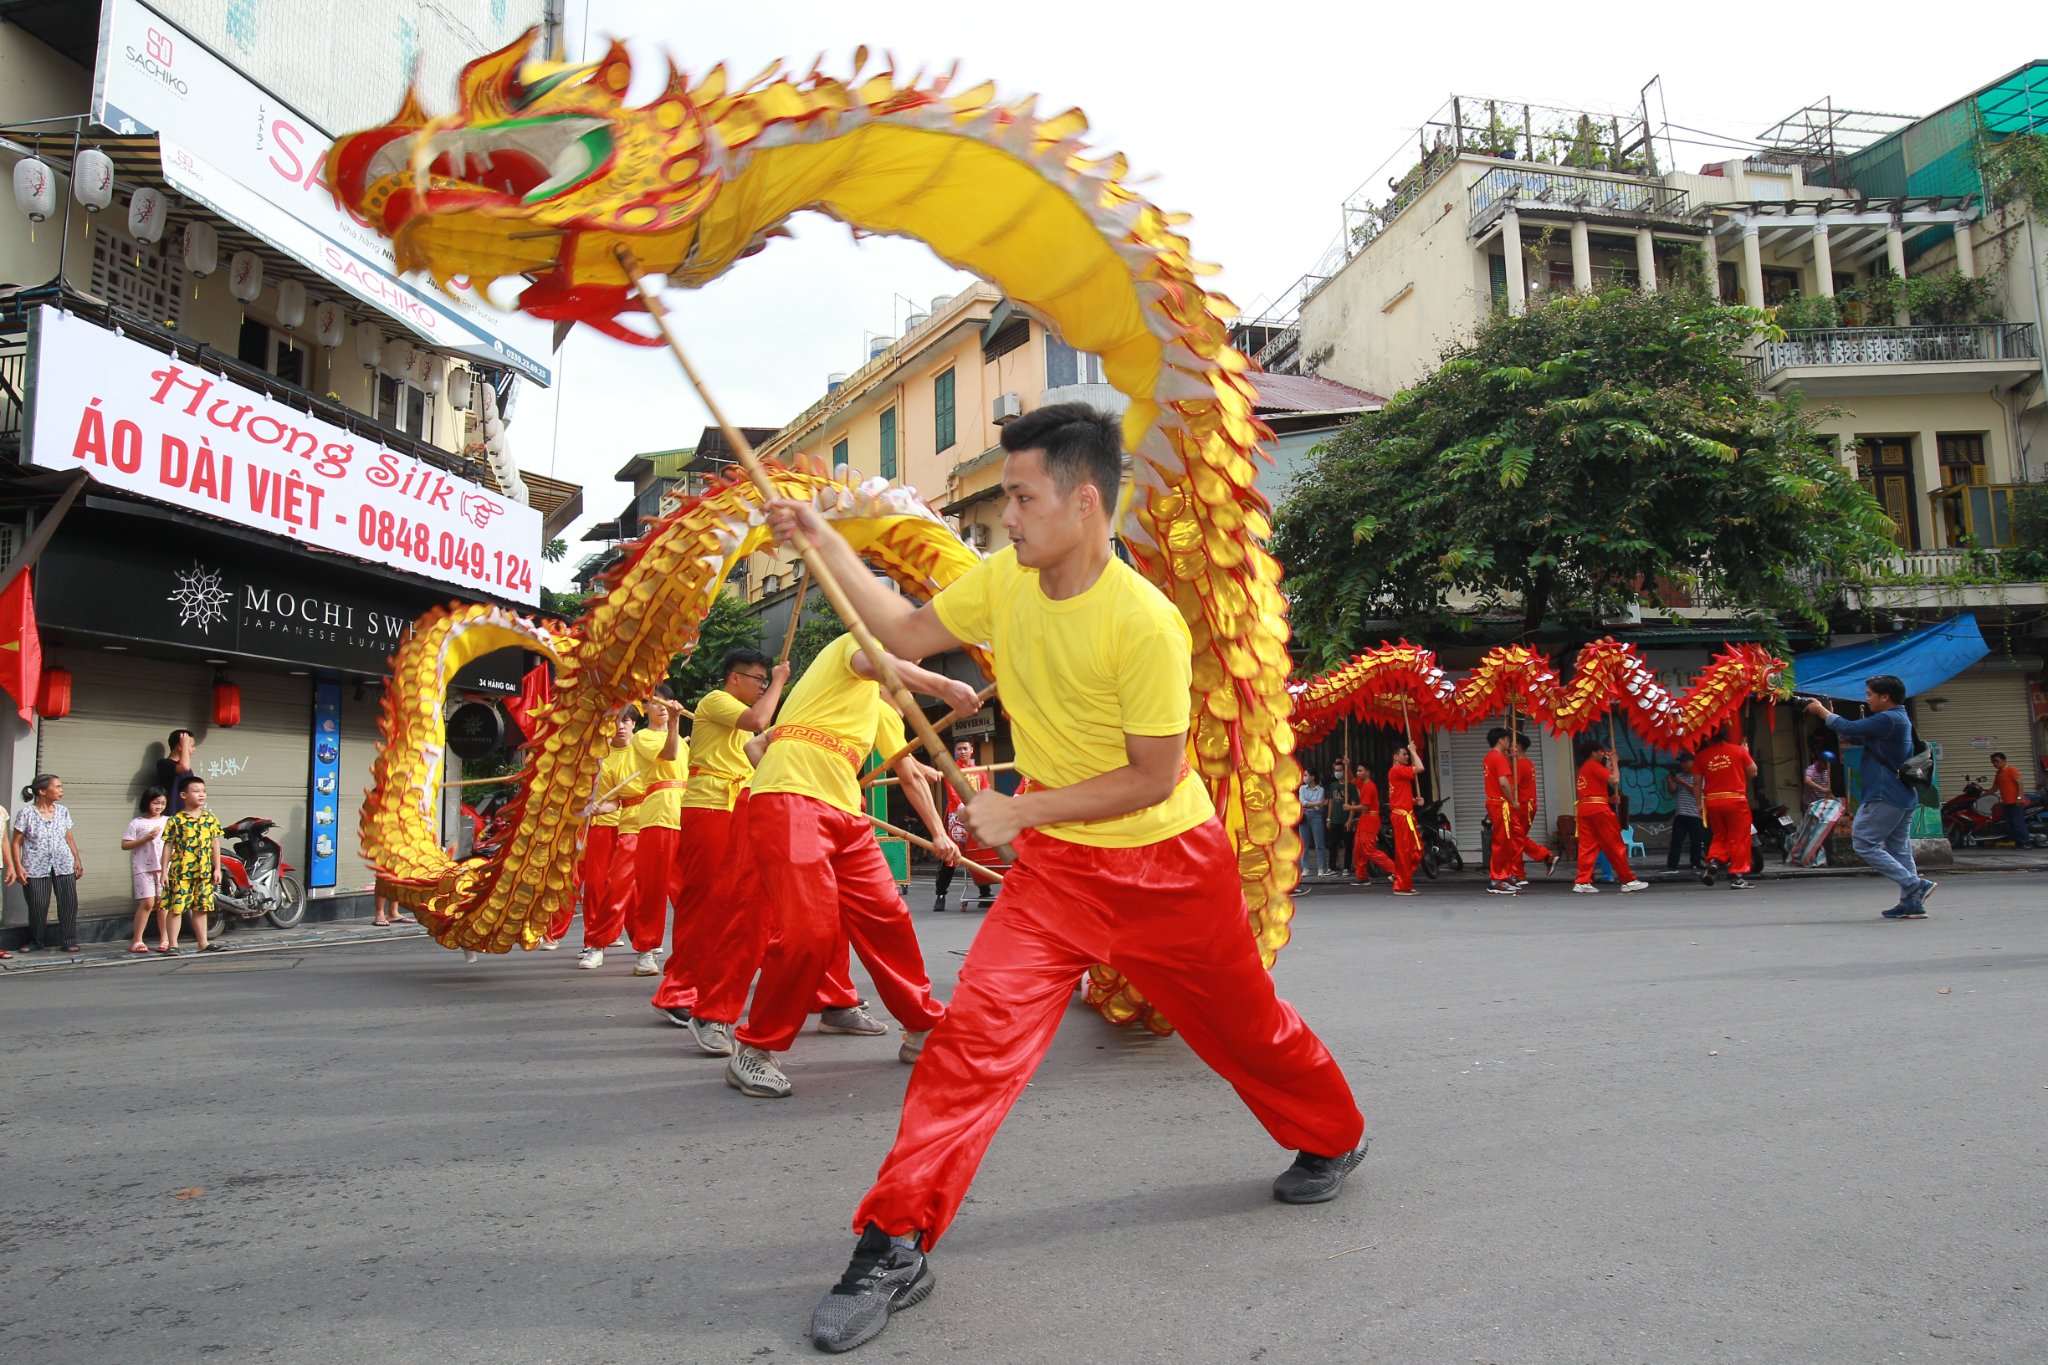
x,y
166,429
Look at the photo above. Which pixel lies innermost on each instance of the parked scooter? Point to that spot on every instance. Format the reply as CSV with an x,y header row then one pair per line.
x,y
1772,829
1966,816
1439,849
254,884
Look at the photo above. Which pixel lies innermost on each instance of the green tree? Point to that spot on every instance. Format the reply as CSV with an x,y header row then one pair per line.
x,y
728,626
1565,462
820,627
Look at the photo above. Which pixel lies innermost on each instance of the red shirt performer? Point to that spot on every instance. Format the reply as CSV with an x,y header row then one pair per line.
x,y
1365,840
1401,775
963,755
1525,809
1120,860
1504,867
1726,767
1599,825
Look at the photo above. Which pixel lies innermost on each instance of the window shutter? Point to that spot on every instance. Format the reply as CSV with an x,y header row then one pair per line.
x,y
942,412
889,444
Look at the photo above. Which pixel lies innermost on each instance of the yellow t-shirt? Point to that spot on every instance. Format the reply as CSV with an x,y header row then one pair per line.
x,y
1077,676
620,765
832,719
718,753
664,780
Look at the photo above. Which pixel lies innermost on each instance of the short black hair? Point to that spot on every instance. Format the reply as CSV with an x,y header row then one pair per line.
x,y
1081,445
1888,685
1589,745
2000,756
150,795
742,658
1496,735
1521,740
664,691
172,743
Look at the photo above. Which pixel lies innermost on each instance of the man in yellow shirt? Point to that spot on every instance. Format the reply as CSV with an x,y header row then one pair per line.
x,y
1120,859
612,842
665,763
818,861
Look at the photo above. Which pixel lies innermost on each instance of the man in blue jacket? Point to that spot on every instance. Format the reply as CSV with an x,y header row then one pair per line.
x,y
1883,831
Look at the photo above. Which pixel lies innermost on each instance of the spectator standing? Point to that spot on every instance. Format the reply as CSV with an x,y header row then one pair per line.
x,y
144,841
1315,805
1818,783
49,861
10,869
1882,833
1339,819
192,866
1686,788
174,769
2006,781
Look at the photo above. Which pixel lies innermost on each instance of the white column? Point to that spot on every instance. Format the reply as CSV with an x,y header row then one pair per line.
x,y
1582,257
1710,248
1895,256
1752,266
1646,261
1966,250
1511,249
1823,263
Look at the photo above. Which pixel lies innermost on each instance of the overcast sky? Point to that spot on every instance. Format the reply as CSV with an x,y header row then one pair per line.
x,y
1259,120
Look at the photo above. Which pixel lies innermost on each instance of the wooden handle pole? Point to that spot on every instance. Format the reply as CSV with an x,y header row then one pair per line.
x,y
796,616
945,722
820,571
907,837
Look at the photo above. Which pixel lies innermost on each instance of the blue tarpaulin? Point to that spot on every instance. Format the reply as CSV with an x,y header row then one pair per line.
x,y
1921,658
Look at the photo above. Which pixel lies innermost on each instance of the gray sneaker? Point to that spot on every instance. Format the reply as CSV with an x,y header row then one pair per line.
x,y
753,1072
1315,1179
913,1047
852,1019
714,1039
886,1274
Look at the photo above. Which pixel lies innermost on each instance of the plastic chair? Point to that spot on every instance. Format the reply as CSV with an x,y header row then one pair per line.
x,y
1632,845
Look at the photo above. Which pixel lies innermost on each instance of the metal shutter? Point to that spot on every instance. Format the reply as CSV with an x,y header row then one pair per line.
x,y
1984,710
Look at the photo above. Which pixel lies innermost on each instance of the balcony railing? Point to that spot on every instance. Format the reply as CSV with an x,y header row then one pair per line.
x,y
13,398
1540,186
1981,341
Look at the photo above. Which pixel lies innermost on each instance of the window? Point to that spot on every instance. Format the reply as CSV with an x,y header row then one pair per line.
x,y
1064,365
258,345
889,443
1962,459
942,412
839,455
402,406
1885,465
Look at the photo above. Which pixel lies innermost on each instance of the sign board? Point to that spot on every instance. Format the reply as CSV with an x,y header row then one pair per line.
x,y
476,729
243,152
981,723
165,429
326,802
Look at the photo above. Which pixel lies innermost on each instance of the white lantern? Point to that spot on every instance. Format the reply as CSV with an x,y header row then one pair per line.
x,y
146,216
34,189
245,276
369,345
458,390
92,179
200,247
291,304
397,358
329,322
430,373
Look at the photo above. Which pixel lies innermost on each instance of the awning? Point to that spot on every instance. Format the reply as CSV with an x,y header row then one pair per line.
x,y
1921,658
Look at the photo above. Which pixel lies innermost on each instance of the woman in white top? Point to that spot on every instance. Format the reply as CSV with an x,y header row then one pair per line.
x,y
145,844
46,854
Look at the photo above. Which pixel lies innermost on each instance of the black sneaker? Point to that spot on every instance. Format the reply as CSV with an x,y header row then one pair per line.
x,y
674,1014
1905,912
1739,884
886,1273
1710,871
1315,1179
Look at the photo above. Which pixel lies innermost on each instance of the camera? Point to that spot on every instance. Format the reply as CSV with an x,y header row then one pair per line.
x,y
1800,700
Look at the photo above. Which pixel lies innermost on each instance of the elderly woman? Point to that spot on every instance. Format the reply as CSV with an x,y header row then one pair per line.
x,y
49,861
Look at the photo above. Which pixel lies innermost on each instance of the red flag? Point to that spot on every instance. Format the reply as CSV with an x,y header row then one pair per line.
x,y
536,691
21,648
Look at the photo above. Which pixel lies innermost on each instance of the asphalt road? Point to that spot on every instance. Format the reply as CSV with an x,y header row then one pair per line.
x,y
1680,1126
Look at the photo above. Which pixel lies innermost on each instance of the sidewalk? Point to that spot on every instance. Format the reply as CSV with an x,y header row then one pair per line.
x,y
1967,861
257,936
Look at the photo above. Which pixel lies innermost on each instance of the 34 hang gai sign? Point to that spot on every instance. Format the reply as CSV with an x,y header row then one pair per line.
x,y
164,428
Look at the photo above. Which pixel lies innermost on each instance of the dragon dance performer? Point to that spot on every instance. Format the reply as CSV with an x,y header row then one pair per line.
x,y
963,754
1599,826
1365,847
1504,868
719,931
1120,859
1525,811
816,855
612,843
1401,775
665,760
1726,767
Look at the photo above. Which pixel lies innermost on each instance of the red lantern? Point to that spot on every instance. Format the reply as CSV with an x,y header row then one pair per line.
x,y
54,702
227,704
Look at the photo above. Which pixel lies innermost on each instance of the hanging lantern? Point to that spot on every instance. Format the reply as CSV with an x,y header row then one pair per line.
x,y
291,304
397,358
245,276
227,703
146,216
200,247
54,699
427,371
92,179
369,345
329,323
34,189
458,390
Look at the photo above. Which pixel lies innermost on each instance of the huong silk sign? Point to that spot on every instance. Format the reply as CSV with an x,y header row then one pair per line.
x,y
164,428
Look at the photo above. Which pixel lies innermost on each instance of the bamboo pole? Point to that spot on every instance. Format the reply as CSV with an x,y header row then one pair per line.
x,y
925,844
945,723
819,570
982,768
796,615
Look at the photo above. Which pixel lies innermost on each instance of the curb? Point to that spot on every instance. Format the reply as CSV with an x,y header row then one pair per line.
x,y
48,960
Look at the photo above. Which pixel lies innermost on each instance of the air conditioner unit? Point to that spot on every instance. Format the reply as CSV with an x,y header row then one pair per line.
x,y
1008,408
977,536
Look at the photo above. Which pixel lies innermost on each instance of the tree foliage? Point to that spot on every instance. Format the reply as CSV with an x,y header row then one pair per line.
x,y
729,626
1565,462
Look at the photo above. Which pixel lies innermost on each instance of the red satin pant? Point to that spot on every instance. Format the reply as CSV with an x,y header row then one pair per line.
x,y
1506,863
721,924
1600,832
1531,851
1407,853
1731,827
657,877
825,877
1171,917
609,883
1365,848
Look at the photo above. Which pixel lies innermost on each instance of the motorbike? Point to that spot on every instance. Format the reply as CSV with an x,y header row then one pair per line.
x,y
1433,828
1771,829
253,883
